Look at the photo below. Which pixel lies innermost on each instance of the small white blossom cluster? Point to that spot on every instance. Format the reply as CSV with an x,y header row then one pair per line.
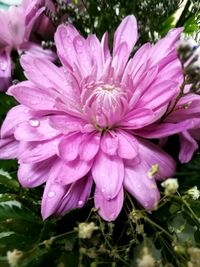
x,y
13,257
194,193
194,254
85,230
170,185
146,259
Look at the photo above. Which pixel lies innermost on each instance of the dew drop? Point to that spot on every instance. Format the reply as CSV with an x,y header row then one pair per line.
x,y
146,204
51,194
34,123
54,143
80,203
53,134
112,215
103,190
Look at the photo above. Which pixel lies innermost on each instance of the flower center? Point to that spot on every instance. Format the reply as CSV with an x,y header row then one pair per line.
x,y
104,105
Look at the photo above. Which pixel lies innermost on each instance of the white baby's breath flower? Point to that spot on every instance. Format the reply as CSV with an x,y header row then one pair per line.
x,y
13,257
194,192
146,259
85,230
170,185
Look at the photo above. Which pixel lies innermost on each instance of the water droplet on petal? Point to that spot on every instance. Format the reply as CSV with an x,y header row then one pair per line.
x,y
112,216
80,203
34,123
54,143
103,190
51,194
53,134
146,204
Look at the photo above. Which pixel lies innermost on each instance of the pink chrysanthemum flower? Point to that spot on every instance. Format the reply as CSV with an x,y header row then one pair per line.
x,y
19,20
82,124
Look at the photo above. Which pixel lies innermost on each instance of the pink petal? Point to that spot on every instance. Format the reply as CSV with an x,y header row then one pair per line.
x,y
126,32
64,38
127,145
108,174
68,148
158,95
52,197
5,70
35,174
104,44
38,151
152,154
35,130
31,96
138,118
120,59
14,117
138,60
83,55
76,196
66,123
167,129
89,146
187,147
96,52
8,148
109,209
139,185
109,143
69,172
165,45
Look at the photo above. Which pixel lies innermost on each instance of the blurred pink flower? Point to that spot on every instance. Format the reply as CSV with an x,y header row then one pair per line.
x,y
83,123
18,23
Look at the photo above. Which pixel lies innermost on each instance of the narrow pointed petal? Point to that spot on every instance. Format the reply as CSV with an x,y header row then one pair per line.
x,y
138,118
139,185
77,195
8,148
104,44
108,209
126,32
66,123
167,129
128,145
31,96
66,173
51,199
13,119
34,174
38,151
108,174
68,148
35,130
151,154
89,147
187,147
109,143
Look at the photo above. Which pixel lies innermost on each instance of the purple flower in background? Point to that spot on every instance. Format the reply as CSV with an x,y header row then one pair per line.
x,y
18,23
87,123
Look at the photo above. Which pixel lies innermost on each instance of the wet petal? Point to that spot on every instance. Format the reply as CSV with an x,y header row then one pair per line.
x,y
108,174
187,147
126,32
108,209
